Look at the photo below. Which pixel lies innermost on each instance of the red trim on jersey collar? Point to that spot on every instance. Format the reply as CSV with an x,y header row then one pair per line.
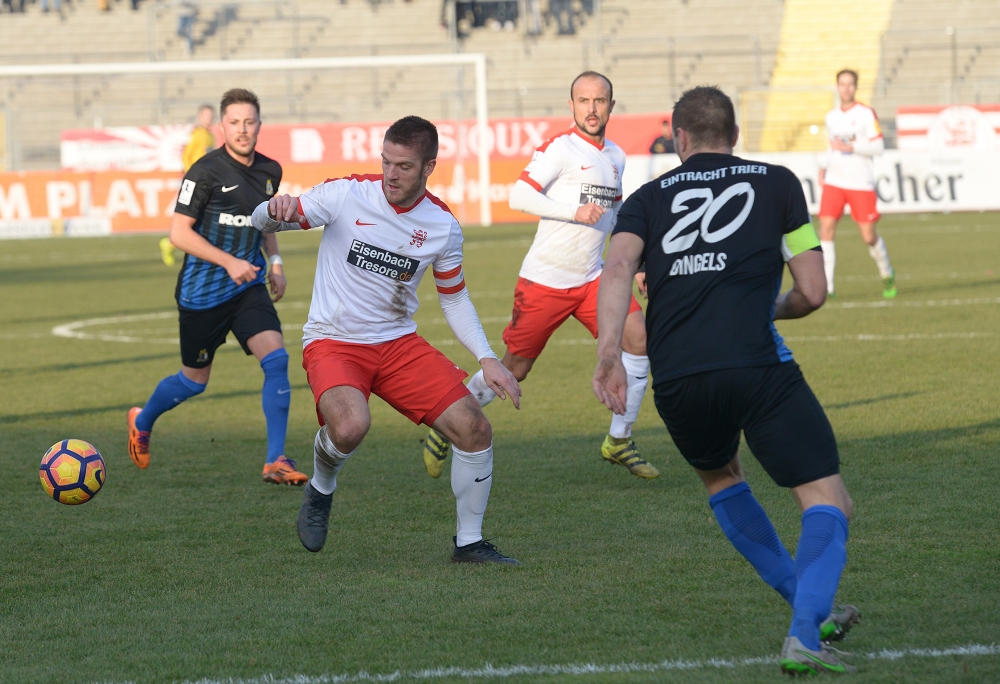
x,y
437,202
576,132
530,181
372,177
545,145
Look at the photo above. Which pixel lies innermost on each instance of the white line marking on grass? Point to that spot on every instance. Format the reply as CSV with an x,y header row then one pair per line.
x,y
490,672
895,302
72,330
887,338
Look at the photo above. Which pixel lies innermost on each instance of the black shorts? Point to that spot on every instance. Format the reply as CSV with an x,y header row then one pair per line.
x,y
785,427
204,331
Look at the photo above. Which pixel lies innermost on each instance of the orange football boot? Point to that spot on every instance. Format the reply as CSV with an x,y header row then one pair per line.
x,y
283,471
138,441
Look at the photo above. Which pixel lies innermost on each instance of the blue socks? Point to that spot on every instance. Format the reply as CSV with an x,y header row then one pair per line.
x,y
751,532
276,397
820,559
171,391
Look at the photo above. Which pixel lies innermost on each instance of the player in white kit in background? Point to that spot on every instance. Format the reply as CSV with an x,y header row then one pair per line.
x,y
382,234
847,175
574,183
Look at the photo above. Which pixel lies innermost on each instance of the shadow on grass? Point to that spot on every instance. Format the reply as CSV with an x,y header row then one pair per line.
x,y
874,400
73,413
7,372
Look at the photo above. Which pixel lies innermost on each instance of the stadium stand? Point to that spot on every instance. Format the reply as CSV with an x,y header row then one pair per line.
x,y
652,49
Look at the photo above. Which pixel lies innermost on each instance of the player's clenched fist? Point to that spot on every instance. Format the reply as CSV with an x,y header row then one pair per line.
x,y
242,271
589,213
284,208
501,381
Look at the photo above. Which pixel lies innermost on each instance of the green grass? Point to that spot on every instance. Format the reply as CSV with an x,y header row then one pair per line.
x,y
192,568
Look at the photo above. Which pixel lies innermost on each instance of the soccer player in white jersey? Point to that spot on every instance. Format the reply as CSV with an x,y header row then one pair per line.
x,y
847,176
382,234
574,183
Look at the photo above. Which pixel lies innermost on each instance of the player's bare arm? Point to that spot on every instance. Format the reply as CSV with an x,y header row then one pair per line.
x,y
620,267
276,275
184,237
808,291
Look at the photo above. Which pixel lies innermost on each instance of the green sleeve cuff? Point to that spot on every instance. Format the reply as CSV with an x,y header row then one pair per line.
x,y
802,239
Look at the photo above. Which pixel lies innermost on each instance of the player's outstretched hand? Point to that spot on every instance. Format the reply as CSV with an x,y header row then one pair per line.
x,y
640,281
276,278
610,384
501,381
242,271
589,213
284,208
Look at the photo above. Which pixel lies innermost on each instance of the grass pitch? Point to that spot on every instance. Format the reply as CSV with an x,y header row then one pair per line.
x,y
192,570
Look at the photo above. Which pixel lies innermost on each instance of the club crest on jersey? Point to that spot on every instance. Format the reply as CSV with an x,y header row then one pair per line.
x,y
382,261
418,237
269,187
615,167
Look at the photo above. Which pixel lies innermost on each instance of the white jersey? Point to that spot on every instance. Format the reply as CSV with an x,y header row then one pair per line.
x,y
372,257
573,171
857,126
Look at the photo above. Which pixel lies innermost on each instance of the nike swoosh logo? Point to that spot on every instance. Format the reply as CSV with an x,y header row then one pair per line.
x,y
225,189
584,168
360,223
284,391
483,479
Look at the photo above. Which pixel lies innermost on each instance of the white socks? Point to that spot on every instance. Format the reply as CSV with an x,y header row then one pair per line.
x,y
637,372
480,390
327,462
829,262
881,257
471,479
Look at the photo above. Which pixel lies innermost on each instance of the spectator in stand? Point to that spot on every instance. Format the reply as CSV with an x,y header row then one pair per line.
x,y
187,12
534,18
665,143
562,10
201,142
56,5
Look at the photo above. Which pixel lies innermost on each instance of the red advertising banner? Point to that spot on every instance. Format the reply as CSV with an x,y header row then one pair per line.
x,y
158,148
948,127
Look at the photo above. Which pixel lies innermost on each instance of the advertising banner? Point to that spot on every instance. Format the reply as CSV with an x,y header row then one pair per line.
x,y
43,203
158,148
948,127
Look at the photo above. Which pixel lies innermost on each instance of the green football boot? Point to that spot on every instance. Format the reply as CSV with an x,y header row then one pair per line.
x,y
889,284
796,659
842,618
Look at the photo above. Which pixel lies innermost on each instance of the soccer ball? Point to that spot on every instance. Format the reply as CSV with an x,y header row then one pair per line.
x,y
72,472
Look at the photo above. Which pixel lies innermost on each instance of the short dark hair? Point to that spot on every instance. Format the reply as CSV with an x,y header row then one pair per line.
x,y
238,96
706,114
594,74
415,133
852,72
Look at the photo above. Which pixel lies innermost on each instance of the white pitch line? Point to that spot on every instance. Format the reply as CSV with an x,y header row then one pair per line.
x,y
490,672
887,338
892,303
72,330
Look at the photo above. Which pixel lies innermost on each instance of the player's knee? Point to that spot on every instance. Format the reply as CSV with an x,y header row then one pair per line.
x,y
348,431
476,433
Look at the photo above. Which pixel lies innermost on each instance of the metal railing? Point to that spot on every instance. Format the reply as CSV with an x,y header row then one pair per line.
x,y
953,45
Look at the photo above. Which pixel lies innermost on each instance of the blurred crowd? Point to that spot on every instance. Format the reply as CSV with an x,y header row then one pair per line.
x,y
503,15
57,5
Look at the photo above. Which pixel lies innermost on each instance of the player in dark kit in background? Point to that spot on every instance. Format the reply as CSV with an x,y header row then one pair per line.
x,y
221,284
714,234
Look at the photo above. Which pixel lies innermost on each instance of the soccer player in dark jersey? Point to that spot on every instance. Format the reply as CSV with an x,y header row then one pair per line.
x,y
221,284
715,234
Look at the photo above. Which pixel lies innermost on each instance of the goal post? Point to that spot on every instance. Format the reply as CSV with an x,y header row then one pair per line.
x,y
476,60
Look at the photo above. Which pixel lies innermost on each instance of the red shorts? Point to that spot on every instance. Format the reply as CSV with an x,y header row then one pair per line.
x,y
539,310
862,204
408,374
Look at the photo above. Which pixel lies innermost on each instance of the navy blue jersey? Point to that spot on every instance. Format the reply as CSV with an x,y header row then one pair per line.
x,y
220,194
718,230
